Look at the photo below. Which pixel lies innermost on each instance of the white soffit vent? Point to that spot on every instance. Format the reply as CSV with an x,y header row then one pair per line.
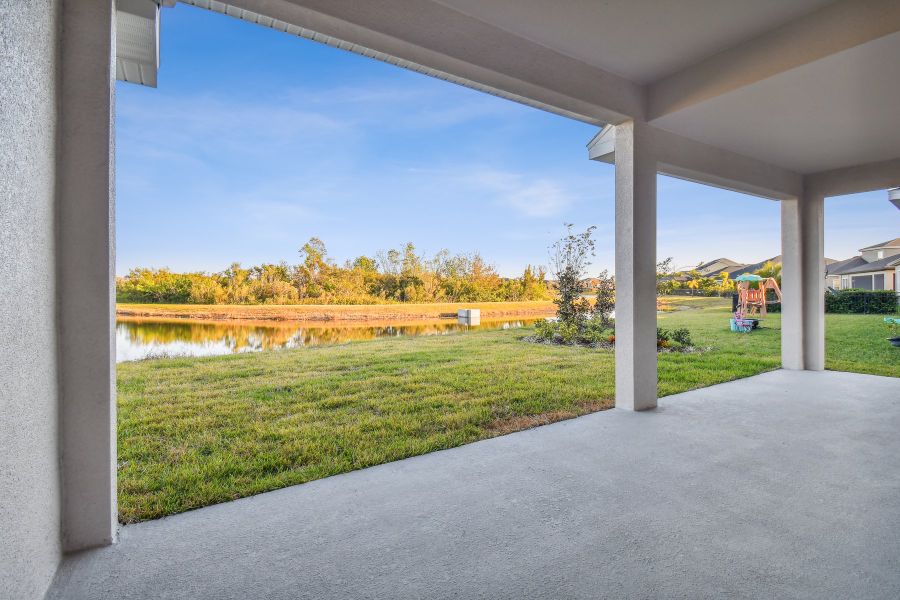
x,y
247,15
137,41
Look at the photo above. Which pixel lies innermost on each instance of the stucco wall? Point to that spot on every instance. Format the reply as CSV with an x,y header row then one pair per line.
x,y
29,472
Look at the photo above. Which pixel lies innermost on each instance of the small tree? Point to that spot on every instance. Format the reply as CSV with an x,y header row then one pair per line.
x,y
770,269
726,284
569,258
663,276
312,270
606,297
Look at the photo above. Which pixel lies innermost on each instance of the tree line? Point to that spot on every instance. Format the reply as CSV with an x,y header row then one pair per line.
x,y
390,276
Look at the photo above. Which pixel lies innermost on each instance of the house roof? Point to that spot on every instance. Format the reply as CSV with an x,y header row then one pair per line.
x,y
894,243
725,261
842,265
775,259
858,265
755,266
714,267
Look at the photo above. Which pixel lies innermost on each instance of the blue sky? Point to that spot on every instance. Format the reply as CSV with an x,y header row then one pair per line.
x,y
256,140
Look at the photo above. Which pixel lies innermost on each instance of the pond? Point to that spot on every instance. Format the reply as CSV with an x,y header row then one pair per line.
x,y
138,338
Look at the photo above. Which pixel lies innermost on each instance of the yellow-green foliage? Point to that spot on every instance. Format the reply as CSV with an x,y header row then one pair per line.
x,y
394,276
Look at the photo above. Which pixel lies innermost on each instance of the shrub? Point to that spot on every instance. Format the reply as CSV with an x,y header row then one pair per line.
x,y
568,332
544,330
850,301
682,336
594,331
591,332
861,301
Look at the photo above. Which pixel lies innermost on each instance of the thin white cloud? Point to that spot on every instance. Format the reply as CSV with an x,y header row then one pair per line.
x,y
278,212
540,198
537,198
424,106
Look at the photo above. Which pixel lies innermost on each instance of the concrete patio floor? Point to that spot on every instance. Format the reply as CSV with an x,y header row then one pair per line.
x,y
786,484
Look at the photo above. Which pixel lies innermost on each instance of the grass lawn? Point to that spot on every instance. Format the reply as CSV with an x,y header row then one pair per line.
x,y
197,431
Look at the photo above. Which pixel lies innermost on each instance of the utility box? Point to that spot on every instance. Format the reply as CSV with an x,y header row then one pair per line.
x,y
468,316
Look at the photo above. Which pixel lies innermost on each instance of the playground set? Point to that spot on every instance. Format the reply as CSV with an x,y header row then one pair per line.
x,y
751,302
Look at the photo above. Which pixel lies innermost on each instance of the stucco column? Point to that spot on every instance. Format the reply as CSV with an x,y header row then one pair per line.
x,y
803,283
86,262
635,267
791,286
812,230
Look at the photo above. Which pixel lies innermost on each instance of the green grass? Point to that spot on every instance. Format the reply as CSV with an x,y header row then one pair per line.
x,y
858,343
193,432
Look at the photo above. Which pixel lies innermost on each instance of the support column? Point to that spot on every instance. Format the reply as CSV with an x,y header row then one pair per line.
x,y
635,267
86,263
803,283
791,286
812,228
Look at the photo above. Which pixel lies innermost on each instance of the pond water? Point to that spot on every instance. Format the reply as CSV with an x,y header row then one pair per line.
x,y
137,339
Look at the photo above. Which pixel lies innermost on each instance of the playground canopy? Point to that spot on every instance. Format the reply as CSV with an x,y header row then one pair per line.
x,y
748,277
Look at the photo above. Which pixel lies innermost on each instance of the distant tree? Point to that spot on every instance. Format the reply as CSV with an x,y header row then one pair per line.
x,y
531,286
311,272
234,280
365,264
770,269
392,275
663,276
271,284
569,258
725,283
206,290
388,261
606,297
155,285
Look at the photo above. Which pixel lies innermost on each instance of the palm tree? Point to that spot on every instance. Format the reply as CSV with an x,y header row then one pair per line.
x,y
770,269
726,284
693,284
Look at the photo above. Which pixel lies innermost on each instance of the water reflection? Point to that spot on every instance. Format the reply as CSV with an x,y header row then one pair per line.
x,y
149,338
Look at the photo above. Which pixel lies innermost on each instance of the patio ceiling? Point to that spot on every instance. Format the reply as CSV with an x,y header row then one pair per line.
x,y
641,40
841,110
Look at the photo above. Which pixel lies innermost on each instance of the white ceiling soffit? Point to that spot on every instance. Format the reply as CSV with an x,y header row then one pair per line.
x,y
641,40
252,17
137,41
836,112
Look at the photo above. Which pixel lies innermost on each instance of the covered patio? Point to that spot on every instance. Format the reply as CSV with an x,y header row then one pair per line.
x,y
783,485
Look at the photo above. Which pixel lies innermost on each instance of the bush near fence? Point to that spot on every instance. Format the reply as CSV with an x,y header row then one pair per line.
x,y
852,301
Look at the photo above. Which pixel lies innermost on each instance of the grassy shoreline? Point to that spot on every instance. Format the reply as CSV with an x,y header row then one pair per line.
x,y
197,431
333,312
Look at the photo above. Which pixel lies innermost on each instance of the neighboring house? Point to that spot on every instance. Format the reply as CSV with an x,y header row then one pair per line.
x,y
715,268
589,284
718,266
711,268
876,268
757,266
